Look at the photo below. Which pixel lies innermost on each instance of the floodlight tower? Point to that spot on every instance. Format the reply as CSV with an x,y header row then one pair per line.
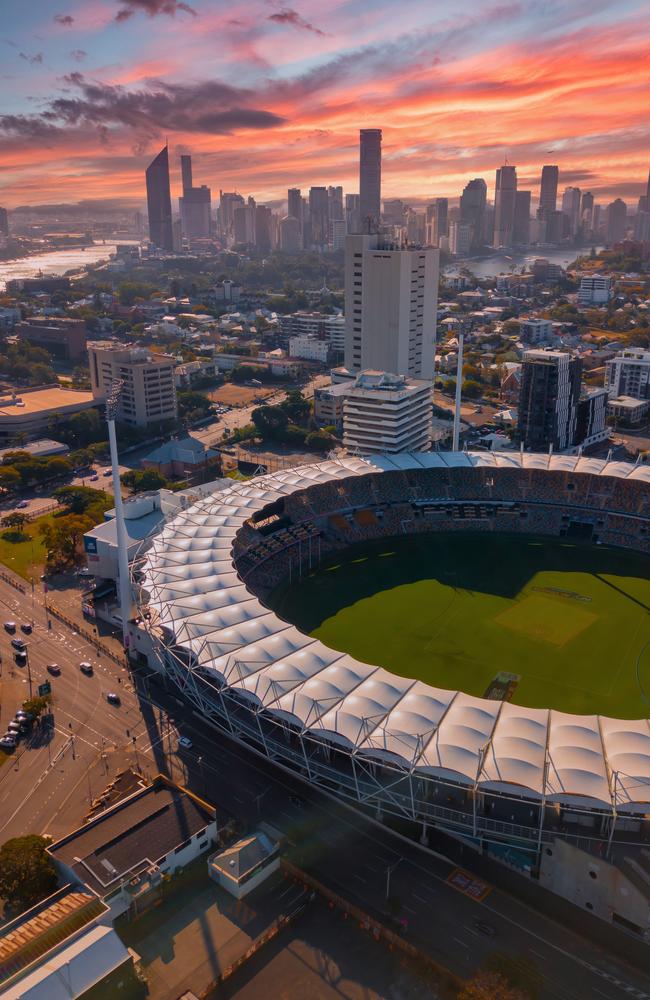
x,y
459,385
124,582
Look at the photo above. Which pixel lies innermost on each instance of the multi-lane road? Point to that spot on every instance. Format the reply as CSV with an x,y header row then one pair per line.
x,y
47,788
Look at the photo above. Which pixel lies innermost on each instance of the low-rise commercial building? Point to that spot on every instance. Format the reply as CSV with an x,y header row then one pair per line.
x,y
63,337
26,413
316,324
244,865
328,404
124,852
536,331
149,391
387,413
629,411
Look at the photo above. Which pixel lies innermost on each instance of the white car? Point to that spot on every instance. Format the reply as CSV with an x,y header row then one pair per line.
x,y
185,743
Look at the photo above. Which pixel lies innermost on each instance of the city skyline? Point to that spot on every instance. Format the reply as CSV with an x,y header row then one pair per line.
x,y
93,90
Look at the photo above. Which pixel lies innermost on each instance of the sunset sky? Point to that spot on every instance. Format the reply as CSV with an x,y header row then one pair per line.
x,y
267,95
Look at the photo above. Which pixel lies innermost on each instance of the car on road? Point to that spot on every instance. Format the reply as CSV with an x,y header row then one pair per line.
x,y
185,743
8,742
93,478
18,644
10,627
22,504
86,668
113,699
20,659
106,473
54,669
26,628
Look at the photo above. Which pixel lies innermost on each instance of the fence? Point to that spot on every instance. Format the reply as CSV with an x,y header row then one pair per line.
x,y
13,583
88,636
445,977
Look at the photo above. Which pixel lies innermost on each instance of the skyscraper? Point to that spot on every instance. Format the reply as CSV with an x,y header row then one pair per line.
x,y
294,204
616,221
352,216
390,307
586,212
644,200
4,222
521,234
548,189
319,216
504,206
159,202
186,172
335,203
370,179
472,209
228,202
437,221
290,234
571,200
195,205
263,228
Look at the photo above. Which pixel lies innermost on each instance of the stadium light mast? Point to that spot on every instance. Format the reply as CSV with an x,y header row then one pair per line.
x,y
459,385
124,583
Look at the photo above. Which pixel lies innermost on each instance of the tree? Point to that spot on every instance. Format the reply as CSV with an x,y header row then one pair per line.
x,y
472,389
320,441
14,520
139,481
489,986
27,873
9,478
295,406
271,421
521,973
62,536
36,706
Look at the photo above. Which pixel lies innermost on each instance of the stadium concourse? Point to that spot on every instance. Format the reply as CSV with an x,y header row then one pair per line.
x,y
502,774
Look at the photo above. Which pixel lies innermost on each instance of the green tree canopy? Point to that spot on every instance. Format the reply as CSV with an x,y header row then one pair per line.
x,y
27,873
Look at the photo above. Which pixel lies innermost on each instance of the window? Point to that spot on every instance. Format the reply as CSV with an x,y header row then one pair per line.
x,y
181,847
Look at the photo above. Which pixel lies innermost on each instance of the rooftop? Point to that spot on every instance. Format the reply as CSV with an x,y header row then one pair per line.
x,y
27,401
136,832
241,858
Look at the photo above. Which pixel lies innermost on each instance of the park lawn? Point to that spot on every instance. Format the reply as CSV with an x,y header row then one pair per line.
x,y
25,558
569,620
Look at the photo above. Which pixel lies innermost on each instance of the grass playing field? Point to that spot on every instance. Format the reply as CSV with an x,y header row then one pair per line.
x,y
570,622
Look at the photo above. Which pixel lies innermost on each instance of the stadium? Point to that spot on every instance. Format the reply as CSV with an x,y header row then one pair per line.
x,y
507,777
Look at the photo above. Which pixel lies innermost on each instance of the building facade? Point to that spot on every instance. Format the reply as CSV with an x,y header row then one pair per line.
x,y
369,179
387,413
548,400
159,202
628,374
505,199
595,290
149,390
63,337
390,307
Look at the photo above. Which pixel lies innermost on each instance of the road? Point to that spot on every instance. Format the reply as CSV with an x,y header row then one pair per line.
x,y
45,789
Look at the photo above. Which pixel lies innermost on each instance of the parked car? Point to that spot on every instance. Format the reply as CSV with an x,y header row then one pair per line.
x,y
54,669
185,743
113,699
8,742
22,504
93,478
18,644
26,628
10,627
86,668
20,658
106,473
22,714
14,727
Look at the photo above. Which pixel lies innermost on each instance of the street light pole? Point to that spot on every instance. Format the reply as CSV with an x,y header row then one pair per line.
x,y
112,402
29,670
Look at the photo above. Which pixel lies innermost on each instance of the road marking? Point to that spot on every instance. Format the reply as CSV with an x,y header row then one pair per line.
x,y
421,898
463,944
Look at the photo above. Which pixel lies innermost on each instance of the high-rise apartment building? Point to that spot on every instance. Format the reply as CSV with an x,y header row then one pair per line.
x,y
460,238
195,205
548,400
229,201
390,307
148,395
4,222
370,179
335,204
628,374
472,209
504,206
587,213
159,202
548,188
385,413
616,221
521,235
571,201
319,217
644,200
